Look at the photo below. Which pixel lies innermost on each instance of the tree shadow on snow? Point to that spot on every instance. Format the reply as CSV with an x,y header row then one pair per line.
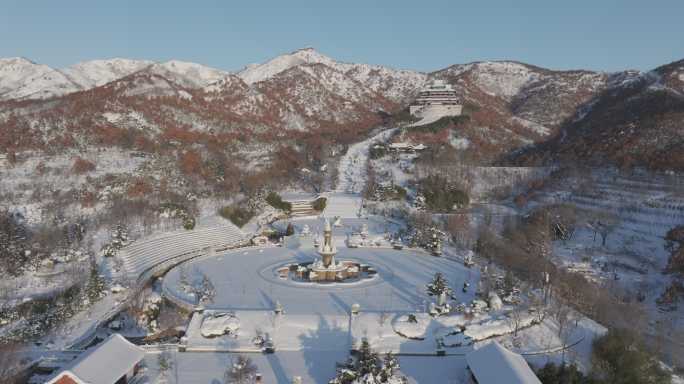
x,y
319,343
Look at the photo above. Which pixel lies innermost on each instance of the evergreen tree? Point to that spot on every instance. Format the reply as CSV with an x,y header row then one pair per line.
x,y
290,230
389,366
207,290
95,285
368,369
368,361
562,374
438,286
119,236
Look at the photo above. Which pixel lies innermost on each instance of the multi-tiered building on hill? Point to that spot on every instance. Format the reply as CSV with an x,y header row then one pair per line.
x,y
439,98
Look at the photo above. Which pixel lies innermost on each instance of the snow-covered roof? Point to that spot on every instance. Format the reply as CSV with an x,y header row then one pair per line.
x,y
494,364
400,145
104,364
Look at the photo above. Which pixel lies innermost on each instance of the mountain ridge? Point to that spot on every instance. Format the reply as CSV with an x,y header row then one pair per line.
x,y
510,105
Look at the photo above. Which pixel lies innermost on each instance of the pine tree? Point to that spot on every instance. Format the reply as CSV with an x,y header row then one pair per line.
x,y
389,367
120,236
438,286
95,286
368,361
207,290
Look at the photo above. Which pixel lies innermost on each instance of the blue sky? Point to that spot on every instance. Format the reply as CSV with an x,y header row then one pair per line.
x,y
422,35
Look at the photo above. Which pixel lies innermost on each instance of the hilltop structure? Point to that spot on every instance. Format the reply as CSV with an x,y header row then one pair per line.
x,y
437,98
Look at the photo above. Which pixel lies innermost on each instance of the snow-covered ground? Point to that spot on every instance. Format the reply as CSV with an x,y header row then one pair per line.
x,y
247,279
312,366
345,201
429,116
21,180
352,168
634,256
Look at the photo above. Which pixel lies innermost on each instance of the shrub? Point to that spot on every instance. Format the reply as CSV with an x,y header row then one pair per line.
x,y
82,166
188,222
674,243
274,200
671,296
237,214
190,163
377,151
139,187
442,196
621,357
561,374
320,204
442,123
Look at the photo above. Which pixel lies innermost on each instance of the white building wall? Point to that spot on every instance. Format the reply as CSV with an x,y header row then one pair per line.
x,y
446,110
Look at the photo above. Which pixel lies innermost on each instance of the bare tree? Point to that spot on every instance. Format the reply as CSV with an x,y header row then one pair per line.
x,y
567,321
603,223
10,363
515,320
240,371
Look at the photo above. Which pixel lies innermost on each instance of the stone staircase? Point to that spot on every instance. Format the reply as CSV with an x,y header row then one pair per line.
x,y
302,208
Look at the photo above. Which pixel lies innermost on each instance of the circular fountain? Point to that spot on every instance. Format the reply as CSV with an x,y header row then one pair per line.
x,y
327,269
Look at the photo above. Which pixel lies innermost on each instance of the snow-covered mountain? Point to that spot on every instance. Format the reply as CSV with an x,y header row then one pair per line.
x,y
89,74
635,121
396,85
21,78
510,105
189,75
254,73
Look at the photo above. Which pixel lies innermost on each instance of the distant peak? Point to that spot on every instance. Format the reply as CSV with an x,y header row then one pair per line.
x,y
309,52
17,60
305,49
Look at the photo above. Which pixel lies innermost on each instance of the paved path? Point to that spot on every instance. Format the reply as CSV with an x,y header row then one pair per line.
x,y
346,201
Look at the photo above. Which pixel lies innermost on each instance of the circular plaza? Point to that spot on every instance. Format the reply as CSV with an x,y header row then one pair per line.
x,y
250,279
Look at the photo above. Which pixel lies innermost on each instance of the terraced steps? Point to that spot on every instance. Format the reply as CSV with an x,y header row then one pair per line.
x,y
145,254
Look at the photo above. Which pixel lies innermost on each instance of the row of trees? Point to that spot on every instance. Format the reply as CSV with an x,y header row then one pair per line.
x,y
618,357
526,248
440,195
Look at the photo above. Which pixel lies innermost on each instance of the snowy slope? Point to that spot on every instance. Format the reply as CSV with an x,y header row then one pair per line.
x,y
21,78
254,73
189,75
500,78
89,74
396,85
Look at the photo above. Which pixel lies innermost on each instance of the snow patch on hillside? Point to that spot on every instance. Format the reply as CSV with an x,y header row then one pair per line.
x,y
190,75
21,79
531,125
254,73
89,74
504,79
396,85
